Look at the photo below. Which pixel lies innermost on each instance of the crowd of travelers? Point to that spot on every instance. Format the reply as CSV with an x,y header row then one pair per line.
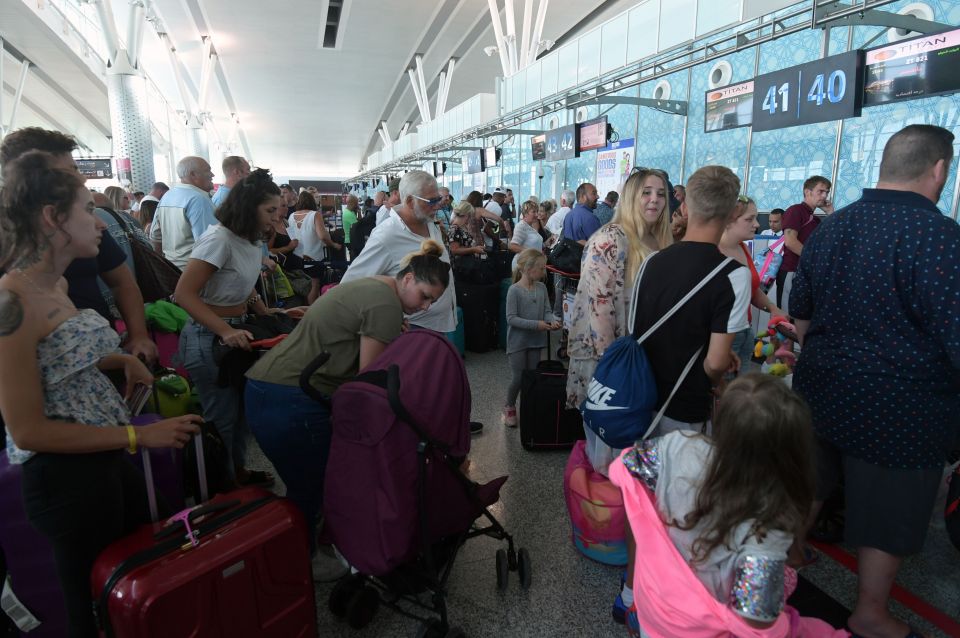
x,y
730,479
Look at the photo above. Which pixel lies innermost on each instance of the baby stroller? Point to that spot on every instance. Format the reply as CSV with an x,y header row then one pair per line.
x,y
396,503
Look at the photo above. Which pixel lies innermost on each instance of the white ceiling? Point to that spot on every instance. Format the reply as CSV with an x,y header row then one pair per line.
x,y
309,112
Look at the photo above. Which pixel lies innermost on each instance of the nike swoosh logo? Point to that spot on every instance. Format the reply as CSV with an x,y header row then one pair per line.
x,y
595,407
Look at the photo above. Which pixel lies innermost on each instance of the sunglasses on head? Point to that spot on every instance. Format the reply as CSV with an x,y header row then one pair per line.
x,y
433,201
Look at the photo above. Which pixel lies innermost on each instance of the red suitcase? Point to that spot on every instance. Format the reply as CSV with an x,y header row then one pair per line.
x,y
247,573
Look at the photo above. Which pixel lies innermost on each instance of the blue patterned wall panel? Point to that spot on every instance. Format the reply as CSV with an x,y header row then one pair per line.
x,y
660,135
727,148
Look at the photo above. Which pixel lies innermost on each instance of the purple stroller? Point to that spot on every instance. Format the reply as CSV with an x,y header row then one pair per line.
x,y
396,503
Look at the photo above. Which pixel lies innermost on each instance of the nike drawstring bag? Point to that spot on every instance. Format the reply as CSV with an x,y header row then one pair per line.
x,y
622,394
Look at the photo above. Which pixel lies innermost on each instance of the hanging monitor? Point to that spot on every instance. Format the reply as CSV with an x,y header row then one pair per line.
x,y
728,107
473,161
491,155
95,168
593,134
538,144
909,69
562,143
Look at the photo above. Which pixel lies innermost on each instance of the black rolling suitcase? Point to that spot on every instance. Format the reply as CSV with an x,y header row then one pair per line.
x,y
545,421
481,310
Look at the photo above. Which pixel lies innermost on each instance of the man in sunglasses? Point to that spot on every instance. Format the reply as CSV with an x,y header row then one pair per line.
x,y
400,234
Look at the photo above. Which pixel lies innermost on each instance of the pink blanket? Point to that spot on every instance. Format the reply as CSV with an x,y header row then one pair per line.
x,y
671,601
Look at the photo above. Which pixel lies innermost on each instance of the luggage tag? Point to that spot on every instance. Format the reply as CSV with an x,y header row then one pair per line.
x,y
16,610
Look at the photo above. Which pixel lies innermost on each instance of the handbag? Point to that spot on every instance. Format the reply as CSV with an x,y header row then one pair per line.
x,y
157,276
470,269
623,393
767,263
566,255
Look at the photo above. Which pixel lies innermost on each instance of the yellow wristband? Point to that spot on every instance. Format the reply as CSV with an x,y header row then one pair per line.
x,y
132,439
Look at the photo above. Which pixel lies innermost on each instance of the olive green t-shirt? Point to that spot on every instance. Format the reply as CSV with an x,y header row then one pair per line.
x,y
334,323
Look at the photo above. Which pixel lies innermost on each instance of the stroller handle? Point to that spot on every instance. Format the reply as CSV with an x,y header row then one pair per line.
x,y
305,384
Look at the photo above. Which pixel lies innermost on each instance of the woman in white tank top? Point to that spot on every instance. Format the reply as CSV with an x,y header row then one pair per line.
x,y
306,225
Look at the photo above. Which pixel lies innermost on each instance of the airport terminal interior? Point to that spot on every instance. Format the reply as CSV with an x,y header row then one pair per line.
x,y
388,116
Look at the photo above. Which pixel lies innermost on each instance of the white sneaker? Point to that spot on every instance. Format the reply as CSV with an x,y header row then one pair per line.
x,y
327,568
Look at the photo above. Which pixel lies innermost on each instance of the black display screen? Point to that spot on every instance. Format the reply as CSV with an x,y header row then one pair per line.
x,y
95,168
728,107
538,144
473,161
819,91
909,69
563,143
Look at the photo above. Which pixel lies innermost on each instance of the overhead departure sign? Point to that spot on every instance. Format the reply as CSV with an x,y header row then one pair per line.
x,y
819,91
95,168
918,67
562,143
728,107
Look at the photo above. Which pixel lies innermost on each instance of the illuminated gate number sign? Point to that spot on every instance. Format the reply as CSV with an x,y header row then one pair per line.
x,y
820,91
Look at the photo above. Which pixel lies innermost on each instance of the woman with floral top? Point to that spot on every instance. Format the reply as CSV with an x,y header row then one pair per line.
x,y
610,263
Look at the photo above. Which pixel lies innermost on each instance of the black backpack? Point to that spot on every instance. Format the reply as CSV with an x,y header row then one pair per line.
x,y
360,232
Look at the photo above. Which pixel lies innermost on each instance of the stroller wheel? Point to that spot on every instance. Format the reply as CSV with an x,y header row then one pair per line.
x,y
362,607
503,570
432,628
342,592
524,567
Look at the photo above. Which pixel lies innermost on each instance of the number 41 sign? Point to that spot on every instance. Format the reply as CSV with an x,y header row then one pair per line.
x,y
820,91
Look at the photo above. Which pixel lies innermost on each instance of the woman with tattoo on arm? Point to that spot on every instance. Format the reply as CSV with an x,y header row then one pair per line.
x,y
66,424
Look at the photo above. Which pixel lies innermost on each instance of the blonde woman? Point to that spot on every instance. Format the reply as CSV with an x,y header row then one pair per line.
x,y
611,260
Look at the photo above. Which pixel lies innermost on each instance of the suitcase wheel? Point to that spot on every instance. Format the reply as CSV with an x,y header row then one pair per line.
x,y
434,629
362,607
503,570
524,568
342,592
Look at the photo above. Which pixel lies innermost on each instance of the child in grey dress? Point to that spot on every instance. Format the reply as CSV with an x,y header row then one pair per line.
x,y
528,318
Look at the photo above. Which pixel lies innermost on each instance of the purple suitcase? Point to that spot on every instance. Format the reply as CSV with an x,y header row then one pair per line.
x,y
33,572
167,468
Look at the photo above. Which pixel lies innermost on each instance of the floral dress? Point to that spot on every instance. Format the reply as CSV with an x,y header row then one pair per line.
x,y
74,389
599,314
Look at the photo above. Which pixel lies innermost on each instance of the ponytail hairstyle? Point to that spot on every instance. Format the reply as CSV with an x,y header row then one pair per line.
x,y
760,468
475,198
238,212
528,259
426,265
31,183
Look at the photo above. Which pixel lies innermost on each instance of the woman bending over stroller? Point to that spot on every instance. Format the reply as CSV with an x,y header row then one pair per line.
x,y
353,322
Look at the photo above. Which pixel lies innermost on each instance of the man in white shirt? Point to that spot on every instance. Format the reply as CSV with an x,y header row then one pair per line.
x,y
389,205
158,191
555,223
775,220
185,212
401,234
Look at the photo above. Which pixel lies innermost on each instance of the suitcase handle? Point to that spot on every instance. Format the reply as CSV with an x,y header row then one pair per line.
x,y
192,513
152,489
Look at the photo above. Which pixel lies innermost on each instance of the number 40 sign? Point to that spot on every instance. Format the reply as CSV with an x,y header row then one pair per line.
x,y
819,91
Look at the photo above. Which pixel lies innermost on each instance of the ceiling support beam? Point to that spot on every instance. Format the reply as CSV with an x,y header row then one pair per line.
x,y
423,87
415,87
537,32
135,25
511,38
210,60
18,96
498,33
525,32
403,130
108,26
443,93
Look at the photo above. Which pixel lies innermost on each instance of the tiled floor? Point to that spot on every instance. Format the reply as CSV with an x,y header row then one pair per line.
x,y
571,595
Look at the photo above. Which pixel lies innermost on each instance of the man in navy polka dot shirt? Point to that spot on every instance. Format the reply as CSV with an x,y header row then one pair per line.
x,y
876,300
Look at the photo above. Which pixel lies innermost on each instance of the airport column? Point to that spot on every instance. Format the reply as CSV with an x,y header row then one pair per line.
x,y
127,96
